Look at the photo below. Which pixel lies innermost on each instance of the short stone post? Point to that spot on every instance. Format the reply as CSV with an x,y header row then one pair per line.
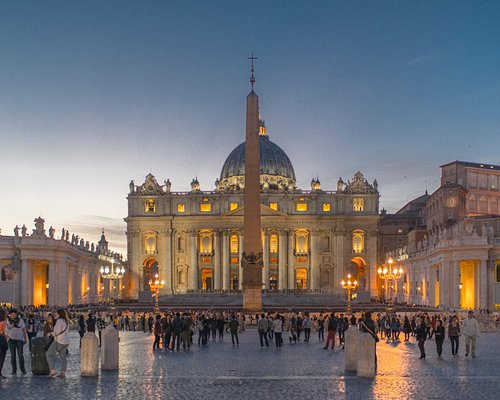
x,y
109,349
89,355
366,355
351,337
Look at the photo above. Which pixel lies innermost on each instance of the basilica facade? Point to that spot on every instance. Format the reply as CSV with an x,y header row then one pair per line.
x,y
311,238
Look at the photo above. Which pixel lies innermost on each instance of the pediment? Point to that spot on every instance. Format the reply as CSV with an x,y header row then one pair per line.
x,y
265,211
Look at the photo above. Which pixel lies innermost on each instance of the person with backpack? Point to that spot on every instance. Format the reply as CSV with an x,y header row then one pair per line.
x,y
331,331
262,326
91,322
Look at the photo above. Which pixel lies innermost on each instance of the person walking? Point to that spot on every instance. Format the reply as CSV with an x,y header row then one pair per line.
x,y
3,340
321,328
278,330
81,327
454,334
59,344
406,328
470,329
17,337
262,326
331,331
439,337
421,335
307,325
233,328
101,325
157,332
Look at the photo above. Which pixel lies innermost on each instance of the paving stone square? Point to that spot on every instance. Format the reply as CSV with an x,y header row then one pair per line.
x,y
221,371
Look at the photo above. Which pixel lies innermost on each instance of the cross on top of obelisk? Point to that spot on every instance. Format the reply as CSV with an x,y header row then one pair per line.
x,y
252,71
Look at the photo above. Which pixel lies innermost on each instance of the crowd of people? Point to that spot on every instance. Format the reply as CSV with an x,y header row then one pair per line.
x,y
174,331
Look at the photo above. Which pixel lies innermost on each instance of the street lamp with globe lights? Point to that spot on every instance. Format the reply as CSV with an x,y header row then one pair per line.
x,y
155,286
349,285
390,274
112,274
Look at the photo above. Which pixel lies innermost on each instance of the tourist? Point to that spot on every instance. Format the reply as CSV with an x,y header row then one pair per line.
x,y
213,327
81,327
49,325
91,322
101,325
306,325
470,329
17,337
439,337
321,328
186,332
166,328
3,340
454,334
60,343
331,331
32,327
157,332
220,327
278,330
421,334
262,327
177,328
299,326
341,329
233,328
406,328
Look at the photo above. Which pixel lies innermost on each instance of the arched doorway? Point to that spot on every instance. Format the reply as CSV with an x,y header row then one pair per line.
x,y
206,279
234,284
358,271
150,268
301,279
273,282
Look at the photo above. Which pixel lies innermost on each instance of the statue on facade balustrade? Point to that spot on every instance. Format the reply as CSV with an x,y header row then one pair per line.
x,y
67,236
24,230
51,232
16,231
131,186
87,245
92,248
72,238
82,243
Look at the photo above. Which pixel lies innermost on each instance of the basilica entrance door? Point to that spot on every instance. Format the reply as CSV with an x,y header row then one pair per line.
x,y
301,281
206,279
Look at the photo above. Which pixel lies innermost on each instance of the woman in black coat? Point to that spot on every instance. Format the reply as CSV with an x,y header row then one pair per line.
x,y
439,335
421,334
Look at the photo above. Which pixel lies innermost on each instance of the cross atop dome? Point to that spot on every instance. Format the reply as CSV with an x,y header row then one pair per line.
x,y
252,70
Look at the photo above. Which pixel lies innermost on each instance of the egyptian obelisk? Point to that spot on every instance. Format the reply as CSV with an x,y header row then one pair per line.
x,y
252,244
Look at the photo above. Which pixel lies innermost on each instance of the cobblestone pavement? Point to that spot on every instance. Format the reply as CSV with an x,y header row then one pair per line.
x,y
221,371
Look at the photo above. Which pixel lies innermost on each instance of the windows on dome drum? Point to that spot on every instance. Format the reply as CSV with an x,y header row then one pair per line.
x,y
205,207
181,208
150,206
273,206
233,206
301,207
327,207
358,204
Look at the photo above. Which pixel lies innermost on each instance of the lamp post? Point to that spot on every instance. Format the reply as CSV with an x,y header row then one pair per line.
x,y
155,286
112,274
389,275
349,285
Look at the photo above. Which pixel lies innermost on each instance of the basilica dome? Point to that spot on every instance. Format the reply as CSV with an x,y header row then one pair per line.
x,y
276,170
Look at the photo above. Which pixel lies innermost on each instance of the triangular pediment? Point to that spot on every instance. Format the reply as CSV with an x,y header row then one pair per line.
x,y
265,211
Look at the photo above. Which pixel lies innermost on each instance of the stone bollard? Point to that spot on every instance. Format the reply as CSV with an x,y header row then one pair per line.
x,y
351,337
366,355
109,349
89,358
39,365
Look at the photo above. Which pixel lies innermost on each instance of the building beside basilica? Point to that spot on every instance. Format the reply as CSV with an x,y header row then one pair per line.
x,y
311,238
40,269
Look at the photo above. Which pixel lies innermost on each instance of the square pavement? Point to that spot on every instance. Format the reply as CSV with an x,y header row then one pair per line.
x,y
303,371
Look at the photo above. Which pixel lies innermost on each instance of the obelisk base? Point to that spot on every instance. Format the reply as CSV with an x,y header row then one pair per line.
x,y
252,299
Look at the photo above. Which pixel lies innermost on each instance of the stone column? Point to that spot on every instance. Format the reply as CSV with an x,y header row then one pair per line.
x,y
282,276
265,251
54,283
455,288
62,293
240,253
193,261
340,264
217,274
483,283
314,270
26,293
167,269
290,268
225,260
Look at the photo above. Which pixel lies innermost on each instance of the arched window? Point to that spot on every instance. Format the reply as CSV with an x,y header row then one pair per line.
x,y
181,243
205,242
358,241
472,202
301,243
483,203
326,243
150,241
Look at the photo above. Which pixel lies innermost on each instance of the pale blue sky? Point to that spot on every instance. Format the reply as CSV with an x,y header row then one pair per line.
x,y
95,93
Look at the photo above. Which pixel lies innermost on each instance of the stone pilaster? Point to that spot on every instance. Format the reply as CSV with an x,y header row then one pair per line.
x,y
282,261
291,260
26,292
265,251
193,261
217,272
240,260
225,260
483,283
314,270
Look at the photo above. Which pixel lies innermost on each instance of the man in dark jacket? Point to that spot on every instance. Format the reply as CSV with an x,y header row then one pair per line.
x,y
177,327
421,335
332,330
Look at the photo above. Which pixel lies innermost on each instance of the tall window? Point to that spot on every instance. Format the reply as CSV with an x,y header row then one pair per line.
x,y
205,207
233,206
273,244
205,242
181,208
358,242
150,242
358,204
301,245
472,202
273,206
234,244
301,207
327,207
